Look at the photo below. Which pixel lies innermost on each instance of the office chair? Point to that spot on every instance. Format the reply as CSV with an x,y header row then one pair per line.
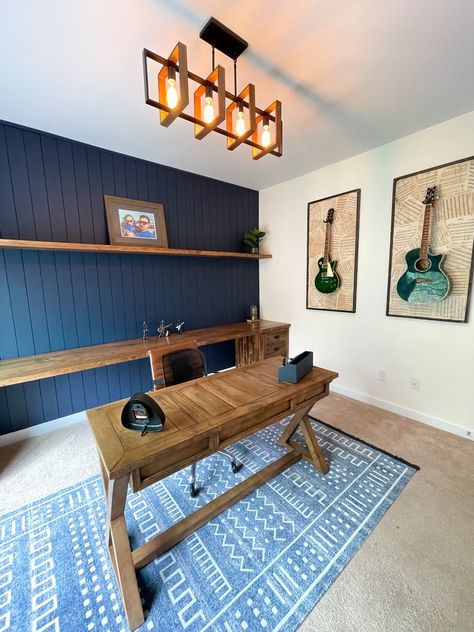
x,y
183,366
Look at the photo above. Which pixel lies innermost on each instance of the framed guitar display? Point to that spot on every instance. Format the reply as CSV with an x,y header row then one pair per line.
x,y
431,244
333,231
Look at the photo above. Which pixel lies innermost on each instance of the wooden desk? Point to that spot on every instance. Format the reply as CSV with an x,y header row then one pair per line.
x,y
253,341
202,417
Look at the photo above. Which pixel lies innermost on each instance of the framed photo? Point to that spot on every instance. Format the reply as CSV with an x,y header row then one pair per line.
x,y
135,222
333,235
431,243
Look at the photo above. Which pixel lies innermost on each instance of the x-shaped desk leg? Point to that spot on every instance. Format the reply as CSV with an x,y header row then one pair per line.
x,y
312,452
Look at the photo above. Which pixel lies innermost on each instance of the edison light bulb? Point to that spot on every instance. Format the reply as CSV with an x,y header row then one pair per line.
x,y
172,93
208,113
266,136
240,123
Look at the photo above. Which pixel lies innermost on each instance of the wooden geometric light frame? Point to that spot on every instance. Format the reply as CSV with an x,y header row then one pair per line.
x,y
249,94
216,80
177,59
258,152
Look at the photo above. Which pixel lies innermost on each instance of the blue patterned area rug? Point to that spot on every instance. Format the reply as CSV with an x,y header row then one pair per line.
x,y
261,565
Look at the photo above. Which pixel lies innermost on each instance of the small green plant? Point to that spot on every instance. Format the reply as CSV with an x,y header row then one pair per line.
x,y
252,238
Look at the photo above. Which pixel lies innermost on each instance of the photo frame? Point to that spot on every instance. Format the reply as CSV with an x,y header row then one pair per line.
x,y
445,229
135,222
333,235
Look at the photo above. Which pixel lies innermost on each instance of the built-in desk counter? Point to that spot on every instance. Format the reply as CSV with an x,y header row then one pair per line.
x,y
253,341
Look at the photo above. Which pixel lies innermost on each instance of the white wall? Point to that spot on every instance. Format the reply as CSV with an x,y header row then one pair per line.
x,y
356,345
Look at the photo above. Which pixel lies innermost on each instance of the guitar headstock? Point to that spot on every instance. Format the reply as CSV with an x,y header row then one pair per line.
x,y
430,196
330,216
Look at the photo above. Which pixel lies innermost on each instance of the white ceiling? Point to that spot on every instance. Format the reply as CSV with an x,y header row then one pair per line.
x,y
351,74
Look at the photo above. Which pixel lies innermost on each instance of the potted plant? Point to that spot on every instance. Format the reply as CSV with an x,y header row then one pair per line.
x,y
252,239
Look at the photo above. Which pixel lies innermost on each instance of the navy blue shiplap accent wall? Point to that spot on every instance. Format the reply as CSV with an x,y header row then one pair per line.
x,y
52,189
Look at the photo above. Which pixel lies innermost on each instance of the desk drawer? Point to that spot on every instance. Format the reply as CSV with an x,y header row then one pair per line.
x,y
173,461
275,343
275,349
238,429
276,336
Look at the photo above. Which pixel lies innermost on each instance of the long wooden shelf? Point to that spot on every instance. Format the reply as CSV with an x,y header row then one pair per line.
x,y
37,367
132,250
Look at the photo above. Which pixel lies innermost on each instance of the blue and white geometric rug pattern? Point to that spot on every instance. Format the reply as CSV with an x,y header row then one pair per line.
x,y
262,565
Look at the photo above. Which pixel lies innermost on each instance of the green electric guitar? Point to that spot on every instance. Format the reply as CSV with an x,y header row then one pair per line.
x,y
424,281
327,280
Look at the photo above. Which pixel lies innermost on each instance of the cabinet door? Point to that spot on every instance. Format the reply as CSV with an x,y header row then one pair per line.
x,y
246,350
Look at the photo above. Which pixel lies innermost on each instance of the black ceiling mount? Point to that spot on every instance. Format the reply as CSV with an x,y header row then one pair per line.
x,y
222,38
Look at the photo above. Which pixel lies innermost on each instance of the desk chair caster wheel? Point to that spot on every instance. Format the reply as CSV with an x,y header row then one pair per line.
x,y
193,490
236,467
234,464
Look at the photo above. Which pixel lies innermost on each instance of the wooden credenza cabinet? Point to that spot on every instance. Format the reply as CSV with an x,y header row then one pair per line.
x,y
267,342
253,342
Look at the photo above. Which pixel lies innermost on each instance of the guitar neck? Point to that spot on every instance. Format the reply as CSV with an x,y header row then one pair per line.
x,y
426,231
326,243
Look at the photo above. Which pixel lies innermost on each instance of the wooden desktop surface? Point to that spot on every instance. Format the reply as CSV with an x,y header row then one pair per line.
x,y
224,406
36,367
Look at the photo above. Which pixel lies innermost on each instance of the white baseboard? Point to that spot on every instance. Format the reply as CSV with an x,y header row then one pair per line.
x,y
441,424
40,429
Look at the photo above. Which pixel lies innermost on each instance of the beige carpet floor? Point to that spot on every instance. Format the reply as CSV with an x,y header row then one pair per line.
x,y
414,573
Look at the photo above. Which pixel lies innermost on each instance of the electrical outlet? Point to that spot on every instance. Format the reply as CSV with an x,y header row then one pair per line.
x,y
382,375
415,383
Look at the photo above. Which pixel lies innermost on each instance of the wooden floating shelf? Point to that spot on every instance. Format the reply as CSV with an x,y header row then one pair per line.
x,y
25,244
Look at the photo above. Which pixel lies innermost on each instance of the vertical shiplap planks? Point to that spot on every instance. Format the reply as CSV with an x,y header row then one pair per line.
x,y
68,186
66,299
8,346
20,308
16,414
63,395
96,195
37,186
8,220
81,175
35,299
53,189
49,282
20,184
49,399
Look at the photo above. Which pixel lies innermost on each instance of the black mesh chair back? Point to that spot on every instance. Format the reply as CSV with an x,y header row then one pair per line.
x,y
182,366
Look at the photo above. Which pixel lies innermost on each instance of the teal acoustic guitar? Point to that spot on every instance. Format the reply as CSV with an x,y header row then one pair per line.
x,y
424,281
327,279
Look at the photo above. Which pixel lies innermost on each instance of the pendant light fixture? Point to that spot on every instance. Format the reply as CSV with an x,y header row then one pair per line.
x,y
213,104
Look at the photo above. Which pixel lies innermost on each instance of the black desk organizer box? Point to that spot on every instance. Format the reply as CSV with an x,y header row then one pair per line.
x,y
295,370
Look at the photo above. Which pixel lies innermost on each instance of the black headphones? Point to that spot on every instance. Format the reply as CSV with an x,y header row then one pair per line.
x,y
142,413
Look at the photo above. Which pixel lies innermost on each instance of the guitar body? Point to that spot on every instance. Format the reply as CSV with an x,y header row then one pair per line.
x,y
421,286
325,283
